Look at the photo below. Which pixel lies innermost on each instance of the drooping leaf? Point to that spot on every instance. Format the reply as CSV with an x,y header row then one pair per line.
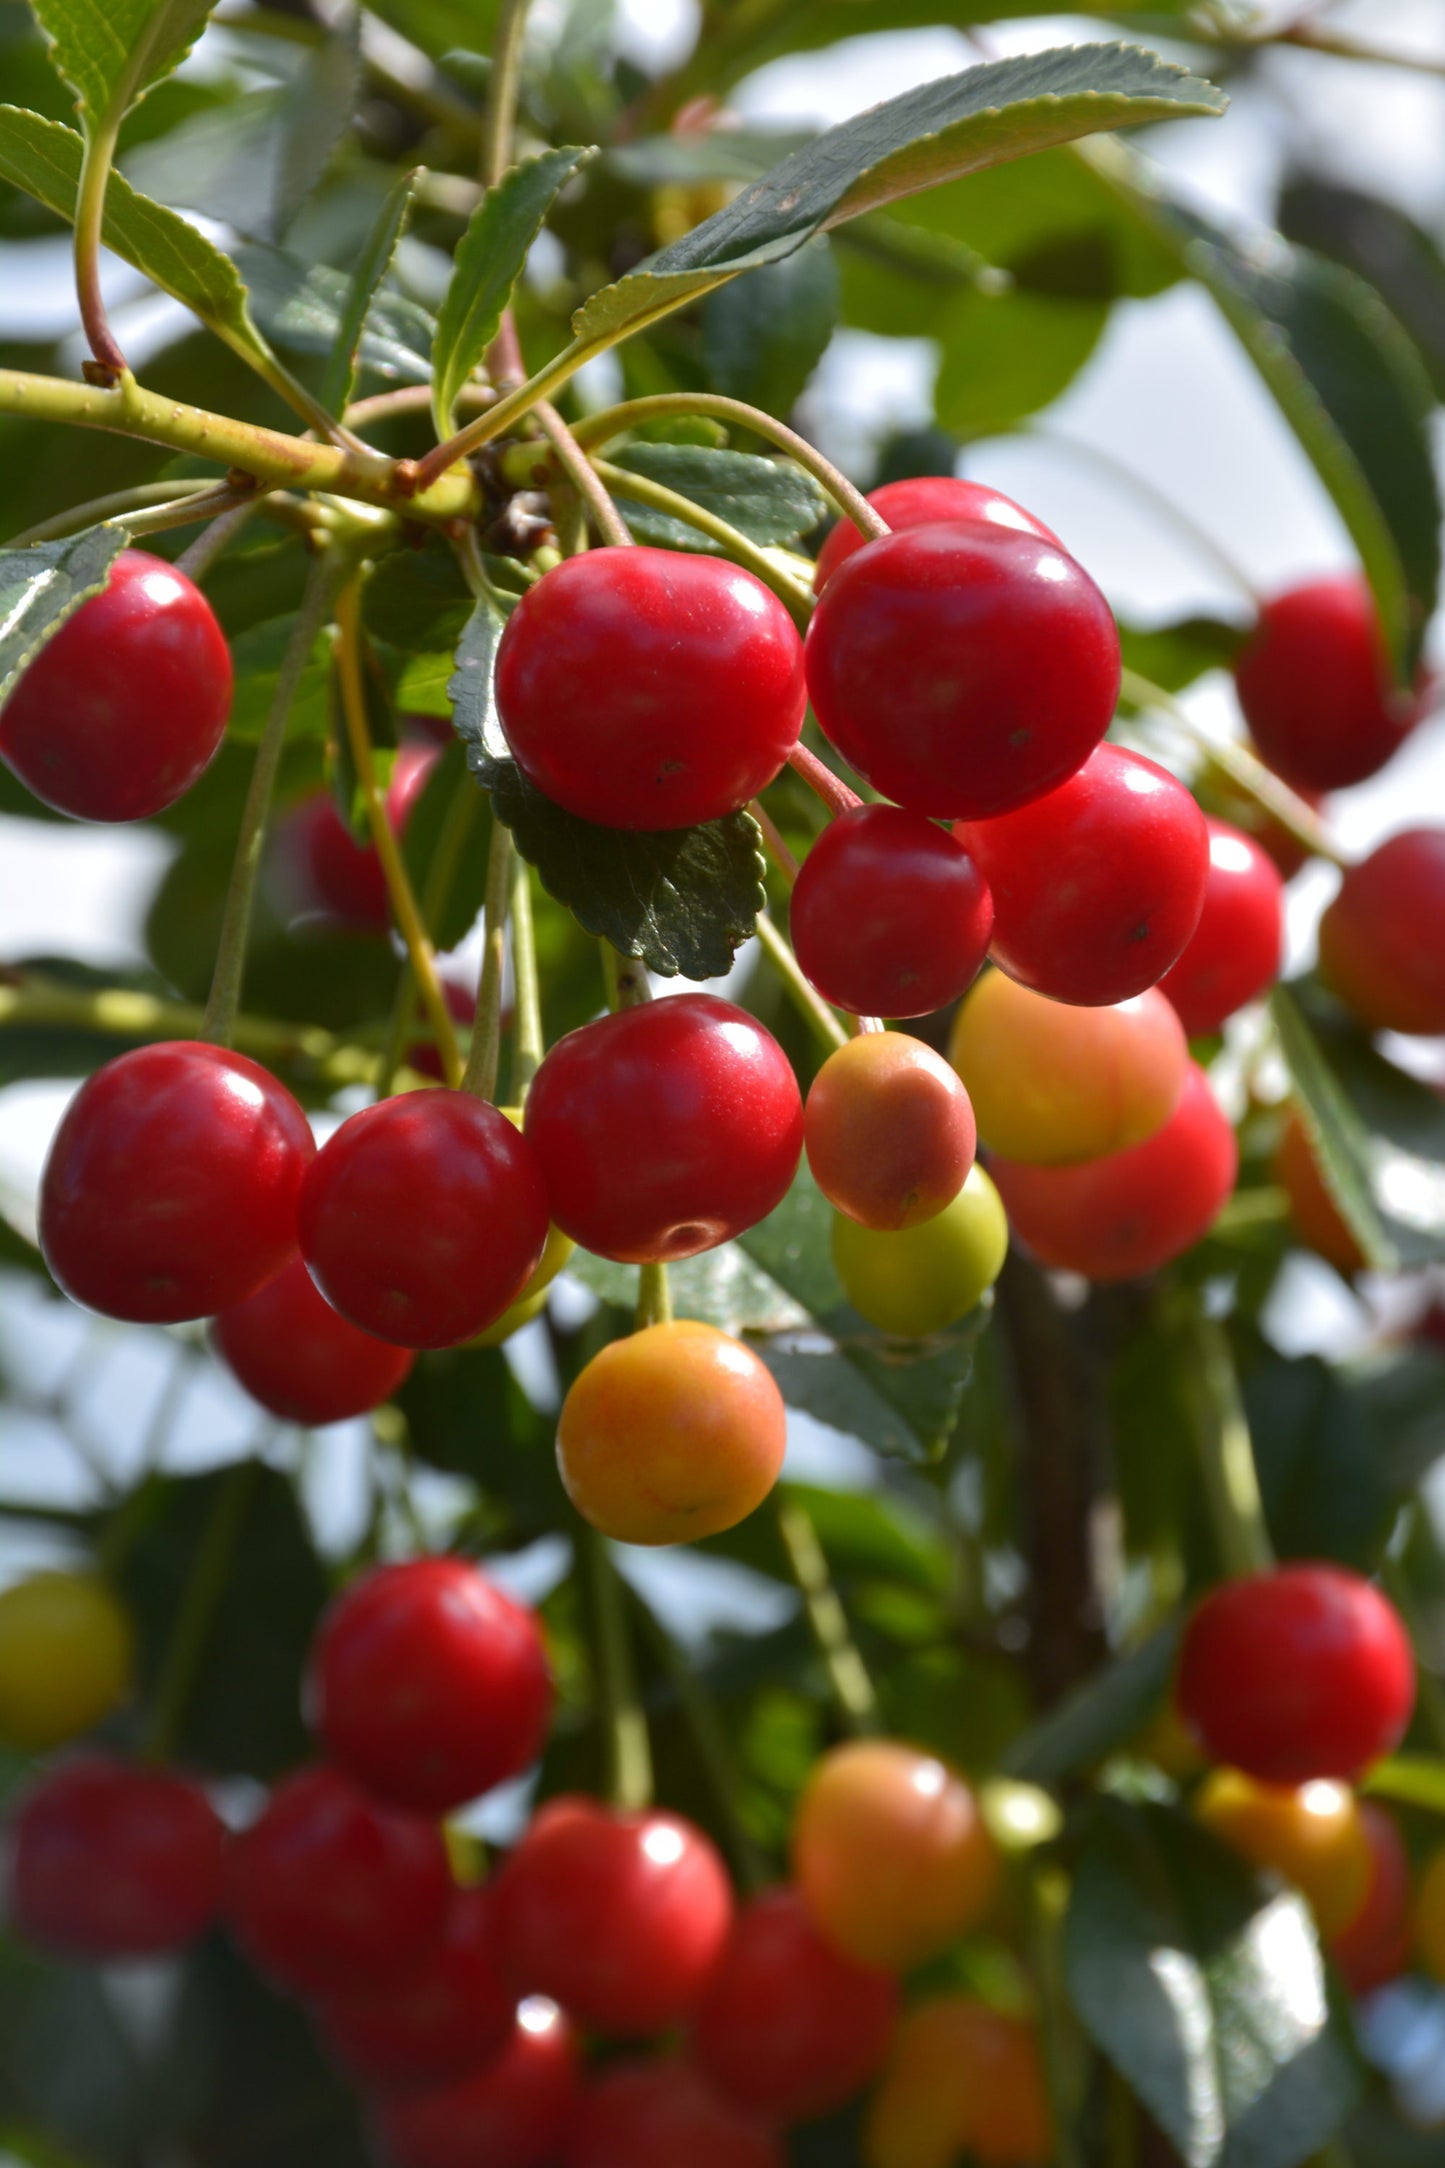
x,y
768,500
1327,1490
43,585
1105,1714
304,308
1206,1991
488,261
43,158
1393,251
111,52
1337,1135
317,114
763,335
372,266
956,125
1007,354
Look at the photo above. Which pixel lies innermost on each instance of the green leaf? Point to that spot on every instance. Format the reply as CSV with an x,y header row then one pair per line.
x,y
1326,1488
43,585
723,1287
1354,390
375,261
1176,655
953,126
763,335
768,500
1414,1780
719,154
1105,1714
318,112
1398,256
683,900
304,307
111,52
1206,1992
489,259
43,158
256,655
1007,354
440,26
1337,1135
417,600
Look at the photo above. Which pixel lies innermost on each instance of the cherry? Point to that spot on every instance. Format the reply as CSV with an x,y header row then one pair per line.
x,y
445,2016
665,2115
1135,1211
533,1299
124,707
1379,945
1234,953
1300,1673
1312,1835
1097,886
113,1862
345,875
66,1657
1054,1085
924,1279
648,688
963,668
890,1854
1314,686
787,2028
890,916
1318,1221
665,1129
964,2078
921,500
1430,1917
512,2113
170,1190
674,1433
889,1131
619,1917
1374,1946
423,1218
429,1685
329,1890
294,1354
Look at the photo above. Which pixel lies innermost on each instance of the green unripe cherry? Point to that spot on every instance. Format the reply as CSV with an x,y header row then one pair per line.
x,y
923,1279
65,1658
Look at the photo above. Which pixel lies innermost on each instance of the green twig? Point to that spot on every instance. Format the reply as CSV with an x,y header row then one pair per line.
x,y
852,1688
654,1296
441,876
810,1004
199,1605
1046,1894
629,1754
1222,1441
482,1062
589,479
528,1042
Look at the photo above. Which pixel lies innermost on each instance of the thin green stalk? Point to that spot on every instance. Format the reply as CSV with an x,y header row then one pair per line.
x,y
95,166
482,1062
629,1753
441,875
198,557
225,996
528,1042
503,84
1046,1894
654,1296
805,998
714,1750
199,1605
116,505
852,1688
1292,812
588,479
797,598
443,458
1222,1442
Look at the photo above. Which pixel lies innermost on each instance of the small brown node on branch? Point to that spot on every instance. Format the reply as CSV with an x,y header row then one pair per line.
x,y
103,375
240,481
405,477
524,522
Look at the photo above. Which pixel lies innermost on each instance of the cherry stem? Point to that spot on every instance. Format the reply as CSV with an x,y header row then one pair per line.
x,y
482,1062
852,1688
714,1749
821,780
148,508
89,221
1046,1893
586,479
1222,1442
197,1616
613,421
440,878
654,1296
317,601
1293,813
197,559
625,978
529,1043
503,84
781,856
384,406
805,998
796,598
629,1752
398,881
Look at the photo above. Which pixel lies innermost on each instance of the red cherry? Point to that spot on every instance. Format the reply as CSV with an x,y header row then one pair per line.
x,y
665,1129
170,1190
113,1862
788,2028
447,2015
922,500
890,915
345,875
1115,1218
329,1890
664,2115
1098,886
619,1917
123,709
512,2113
1380,945
1314,686
423,1218
1375,1946
646,688
429,1685
963,669
1234,952
292,1352
1300,1673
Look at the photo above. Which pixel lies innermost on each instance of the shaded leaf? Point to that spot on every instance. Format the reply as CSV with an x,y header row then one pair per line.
x,y
1006,355
1207,1992
768,500
317,114
257,655
1326,1489
1105,1714
304,307
418,601
763,335
1337,1135
1176,655
372,266
1401,260
42,586
723,1287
